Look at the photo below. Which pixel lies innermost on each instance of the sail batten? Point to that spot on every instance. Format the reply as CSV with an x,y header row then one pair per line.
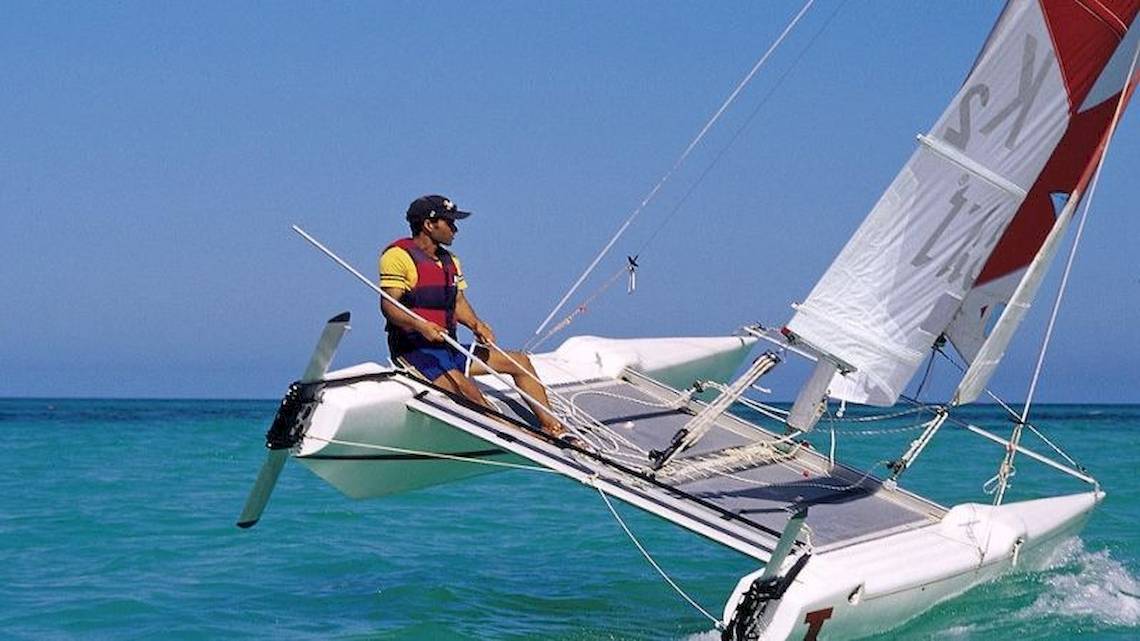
x,y
949,242
957,157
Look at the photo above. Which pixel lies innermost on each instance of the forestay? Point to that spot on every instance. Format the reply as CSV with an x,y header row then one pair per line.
x,y
956,229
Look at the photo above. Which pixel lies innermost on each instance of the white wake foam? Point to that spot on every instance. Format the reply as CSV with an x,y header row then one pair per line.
x,y
1088,584
955,633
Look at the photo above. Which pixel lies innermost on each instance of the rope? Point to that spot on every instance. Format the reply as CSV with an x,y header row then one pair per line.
x,y
778,414
641,548
580,309
740,458
763,409
676,165
879,417
598,436
585,424
879,432
822,486
439,455
595,429
623,397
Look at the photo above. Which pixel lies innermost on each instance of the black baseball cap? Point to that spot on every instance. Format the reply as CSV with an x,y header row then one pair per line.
x,y
434,206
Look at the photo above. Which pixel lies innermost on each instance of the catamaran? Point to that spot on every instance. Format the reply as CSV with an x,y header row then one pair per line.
x,y
953,254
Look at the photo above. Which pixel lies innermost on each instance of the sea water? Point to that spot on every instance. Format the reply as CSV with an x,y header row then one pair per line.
x,y
117,522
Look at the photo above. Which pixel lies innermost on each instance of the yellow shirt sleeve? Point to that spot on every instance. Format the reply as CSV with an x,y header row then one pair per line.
x,y
398,270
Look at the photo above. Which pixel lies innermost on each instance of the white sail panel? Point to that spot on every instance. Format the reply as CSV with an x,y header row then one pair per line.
x,y
987,357
904,274
876,308
979,312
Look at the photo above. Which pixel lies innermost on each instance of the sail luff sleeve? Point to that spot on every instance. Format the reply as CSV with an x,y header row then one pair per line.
x,y
912,264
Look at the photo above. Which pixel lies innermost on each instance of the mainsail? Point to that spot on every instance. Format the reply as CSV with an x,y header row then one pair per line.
x,y
952,238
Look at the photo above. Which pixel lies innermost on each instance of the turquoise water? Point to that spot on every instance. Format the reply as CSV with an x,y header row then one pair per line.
x,y
118,523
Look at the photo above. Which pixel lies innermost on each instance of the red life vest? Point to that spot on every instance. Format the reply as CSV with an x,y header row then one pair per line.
x,y
433,296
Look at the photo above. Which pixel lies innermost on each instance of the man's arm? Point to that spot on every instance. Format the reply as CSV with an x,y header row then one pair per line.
x,y
406,321
465,315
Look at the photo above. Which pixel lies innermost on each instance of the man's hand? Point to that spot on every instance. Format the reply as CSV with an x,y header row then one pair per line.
x,y
484,333
431,331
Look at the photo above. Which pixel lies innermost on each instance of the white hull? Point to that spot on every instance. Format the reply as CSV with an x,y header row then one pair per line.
x,y
877,585
377,437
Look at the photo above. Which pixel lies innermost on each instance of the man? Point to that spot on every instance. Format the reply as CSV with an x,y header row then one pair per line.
x,y
427,279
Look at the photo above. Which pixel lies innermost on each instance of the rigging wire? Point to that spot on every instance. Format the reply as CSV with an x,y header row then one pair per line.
x,y
934,350
676,165
1010,412
582,308
966,425
742,128
579,309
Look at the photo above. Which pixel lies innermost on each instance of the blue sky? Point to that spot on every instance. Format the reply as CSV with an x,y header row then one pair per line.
x,y
155,155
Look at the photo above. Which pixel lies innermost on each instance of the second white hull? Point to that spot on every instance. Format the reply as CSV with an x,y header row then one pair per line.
x,y
877,585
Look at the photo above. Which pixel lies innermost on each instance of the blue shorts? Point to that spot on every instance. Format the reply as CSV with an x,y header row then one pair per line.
x,y
435,361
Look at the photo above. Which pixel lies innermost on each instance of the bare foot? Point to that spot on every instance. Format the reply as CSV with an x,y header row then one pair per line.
x,y
552,428
571,439
562,434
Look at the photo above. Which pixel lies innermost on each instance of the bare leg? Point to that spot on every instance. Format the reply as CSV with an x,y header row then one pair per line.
x,y
455,381
525,379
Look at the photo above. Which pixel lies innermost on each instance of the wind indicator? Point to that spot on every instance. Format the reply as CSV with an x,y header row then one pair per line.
x,y
277,439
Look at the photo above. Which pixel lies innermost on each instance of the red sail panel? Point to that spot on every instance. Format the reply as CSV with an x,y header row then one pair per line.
x,y
1085,35
1031,224
1093,47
